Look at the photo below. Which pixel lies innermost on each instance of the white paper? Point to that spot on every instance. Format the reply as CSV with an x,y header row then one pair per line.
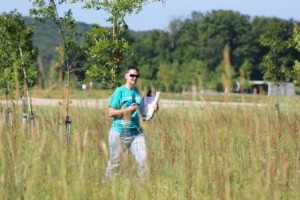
x,y
147,108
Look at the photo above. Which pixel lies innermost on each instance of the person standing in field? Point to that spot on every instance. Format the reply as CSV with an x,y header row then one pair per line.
x,y
126,131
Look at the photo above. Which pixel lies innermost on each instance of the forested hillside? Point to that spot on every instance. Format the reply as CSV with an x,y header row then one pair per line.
x,y
46,37
193,50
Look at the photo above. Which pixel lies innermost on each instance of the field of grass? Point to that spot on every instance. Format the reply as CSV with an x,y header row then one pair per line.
x,y
194,153
104,94
75,94
97,93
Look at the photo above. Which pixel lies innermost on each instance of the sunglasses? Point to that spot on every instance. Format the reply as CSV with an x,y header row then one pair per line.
x,y
134,75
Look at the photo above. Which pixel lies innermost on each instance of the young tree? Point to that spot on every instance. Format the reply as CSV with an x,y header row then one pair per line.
x,y
278,63
109,46
66,25
17,56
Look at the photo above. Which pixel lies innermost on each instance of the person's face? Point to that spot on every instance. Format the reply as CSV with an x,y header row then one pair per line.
x,y
132,76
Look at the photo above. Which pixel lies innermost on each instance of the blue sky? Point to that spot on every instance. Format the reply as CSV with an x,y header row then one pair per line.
x,y
158,15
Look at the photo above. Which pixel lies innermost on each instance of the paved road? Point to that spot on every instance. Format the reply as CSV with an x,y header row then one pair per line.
x,y
101,103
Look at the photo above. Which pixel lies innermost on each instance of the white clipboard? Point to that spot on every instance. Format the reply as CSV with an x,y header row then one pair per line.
x,y
147,106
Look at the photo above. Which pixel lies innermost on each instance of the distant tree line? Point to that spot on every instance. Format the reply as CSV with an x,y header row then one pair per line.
x,y
203,50
191,51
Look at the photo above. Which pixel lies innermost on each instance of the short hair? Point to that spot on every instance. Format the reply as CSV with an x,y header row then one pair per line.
x,y
131,68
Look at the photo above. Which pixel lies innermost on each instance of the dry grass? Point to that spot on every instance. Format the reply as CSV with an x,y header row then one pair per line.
x,y
194,153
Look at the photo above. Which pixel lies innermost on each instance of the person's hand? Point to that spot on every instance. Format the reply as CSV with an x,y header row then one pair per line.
x,y
155,107
133,107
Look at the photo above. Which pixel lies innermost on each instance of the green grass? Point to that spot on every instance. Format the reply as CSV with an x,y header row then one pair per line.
x,y
194,153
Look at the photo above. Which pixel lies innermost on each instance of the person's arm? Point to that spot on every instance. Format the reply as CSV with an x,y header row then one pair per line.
x,y
120,112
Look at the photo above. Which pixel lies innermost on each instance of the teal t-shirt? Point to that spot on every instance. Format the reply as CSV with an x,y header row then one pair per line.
x,y
122,98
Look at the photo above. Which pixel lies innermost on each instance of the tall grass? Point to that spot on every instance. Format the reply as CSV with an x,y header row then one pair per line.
x,y
194,153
